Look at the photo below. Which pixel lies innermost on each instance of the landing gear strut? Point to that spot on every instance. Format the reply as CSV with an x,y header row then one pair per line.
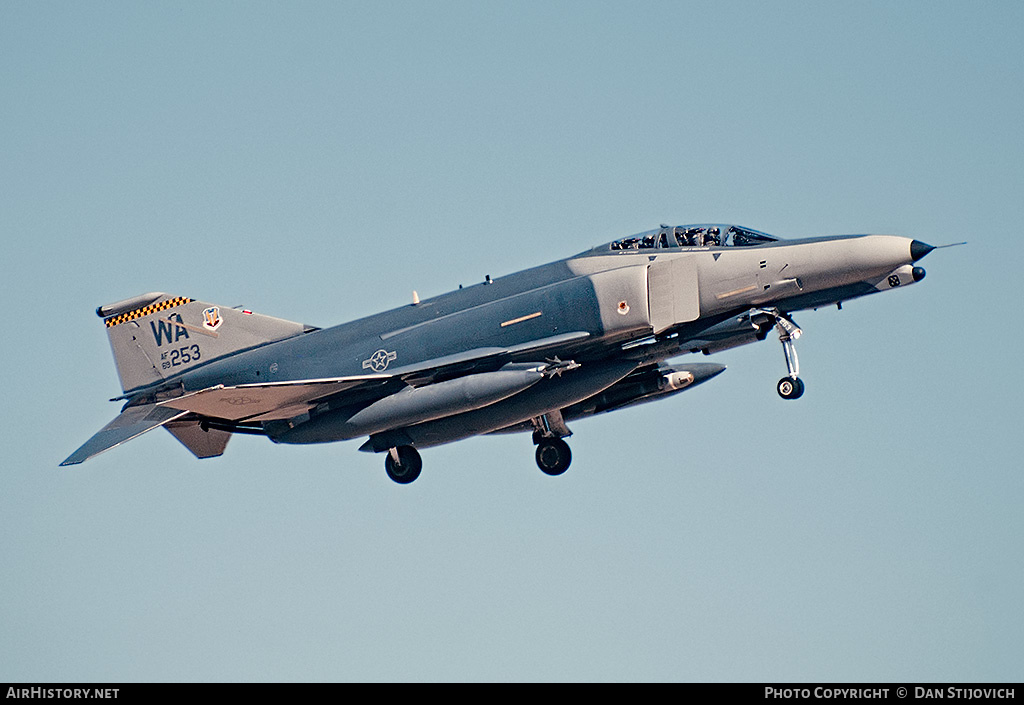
x,y
553,454
790,386
403,464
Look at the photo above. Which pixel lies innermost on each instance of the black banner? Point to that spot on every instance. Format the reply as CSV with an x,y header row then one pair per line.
x,y
768,692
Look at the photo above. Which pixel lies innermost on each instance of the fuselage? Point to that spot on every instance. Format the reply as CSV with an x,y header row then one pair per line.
x,y
609,295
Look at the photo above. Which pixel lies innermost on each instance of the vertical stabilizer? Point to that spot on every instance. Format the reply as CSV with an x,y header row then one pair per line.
x,y
156,335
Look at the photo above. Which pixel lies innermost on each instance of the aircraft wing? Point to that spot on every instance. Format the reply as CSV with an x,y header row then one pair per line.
x,y
264,402
132,422
255,403
284,400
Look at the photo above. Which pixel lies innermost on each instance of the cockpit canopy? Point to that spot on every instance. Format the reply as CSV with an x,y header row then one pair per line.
x,y
707,235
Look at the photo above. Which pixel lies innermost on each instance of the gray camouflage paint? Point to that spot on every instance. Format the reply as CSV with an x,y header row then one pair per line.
x,y
616,313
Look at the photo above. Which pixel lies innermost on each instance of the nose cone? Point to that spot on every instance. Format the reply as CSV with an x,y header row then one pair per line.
x,y
919,249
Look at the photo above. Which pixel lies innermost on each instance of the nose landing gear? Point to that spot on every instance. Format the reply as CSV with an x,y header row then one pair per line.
x,y
790,386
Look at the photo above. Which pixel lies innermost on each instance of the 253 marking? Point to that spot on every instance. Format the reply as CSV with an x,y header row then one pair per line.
x,y
179,356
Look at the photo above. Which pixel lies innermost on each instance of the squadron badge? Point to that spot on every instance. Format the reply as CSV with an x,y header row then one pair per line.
x,y
211,318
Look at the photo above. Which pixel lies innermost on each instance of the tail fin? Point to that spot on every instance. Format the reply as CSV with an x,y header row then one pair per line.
x,y
155,335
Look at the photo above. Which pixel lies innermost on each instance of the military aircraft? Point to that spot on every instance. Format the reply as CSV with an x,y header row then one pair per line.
x,y
527,352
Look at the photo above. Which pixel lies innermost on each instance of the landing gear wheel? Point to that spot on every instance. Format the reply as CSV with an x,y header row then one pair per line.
x,y
790,387
406,467
553,456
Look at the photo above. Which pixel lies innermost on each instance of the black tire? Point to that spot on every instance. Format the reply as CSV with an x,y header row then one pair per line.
x,y
790,387
408,466
553,456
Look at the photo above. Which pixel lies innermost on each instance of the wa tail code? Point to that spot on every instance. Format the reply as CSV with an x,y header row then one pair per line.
x,y
168,327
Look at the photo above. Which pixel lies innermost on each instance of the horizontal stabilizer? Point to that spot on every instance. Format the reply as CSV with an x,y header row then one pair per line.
x,y
132,422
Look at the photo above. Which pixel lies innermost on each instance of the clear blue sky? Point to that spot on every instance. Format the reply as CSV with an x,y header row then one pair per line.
x,y
319,161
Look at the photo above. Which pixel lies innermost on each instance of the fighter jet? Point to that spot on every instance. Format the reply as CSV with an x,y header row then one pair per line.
x,y
528,352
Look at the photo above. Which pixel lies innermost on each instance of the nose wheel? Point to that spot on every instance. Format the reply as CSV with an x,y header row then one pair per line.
x,y
790,387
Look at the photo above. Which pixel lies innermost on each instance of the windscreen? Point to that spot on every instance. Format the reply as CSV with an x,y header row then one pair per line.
x,y
694,236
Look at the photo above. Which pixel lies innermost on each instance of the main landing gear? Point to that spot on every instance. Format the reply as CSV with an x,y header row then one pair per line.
x,y
553,454
403,464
